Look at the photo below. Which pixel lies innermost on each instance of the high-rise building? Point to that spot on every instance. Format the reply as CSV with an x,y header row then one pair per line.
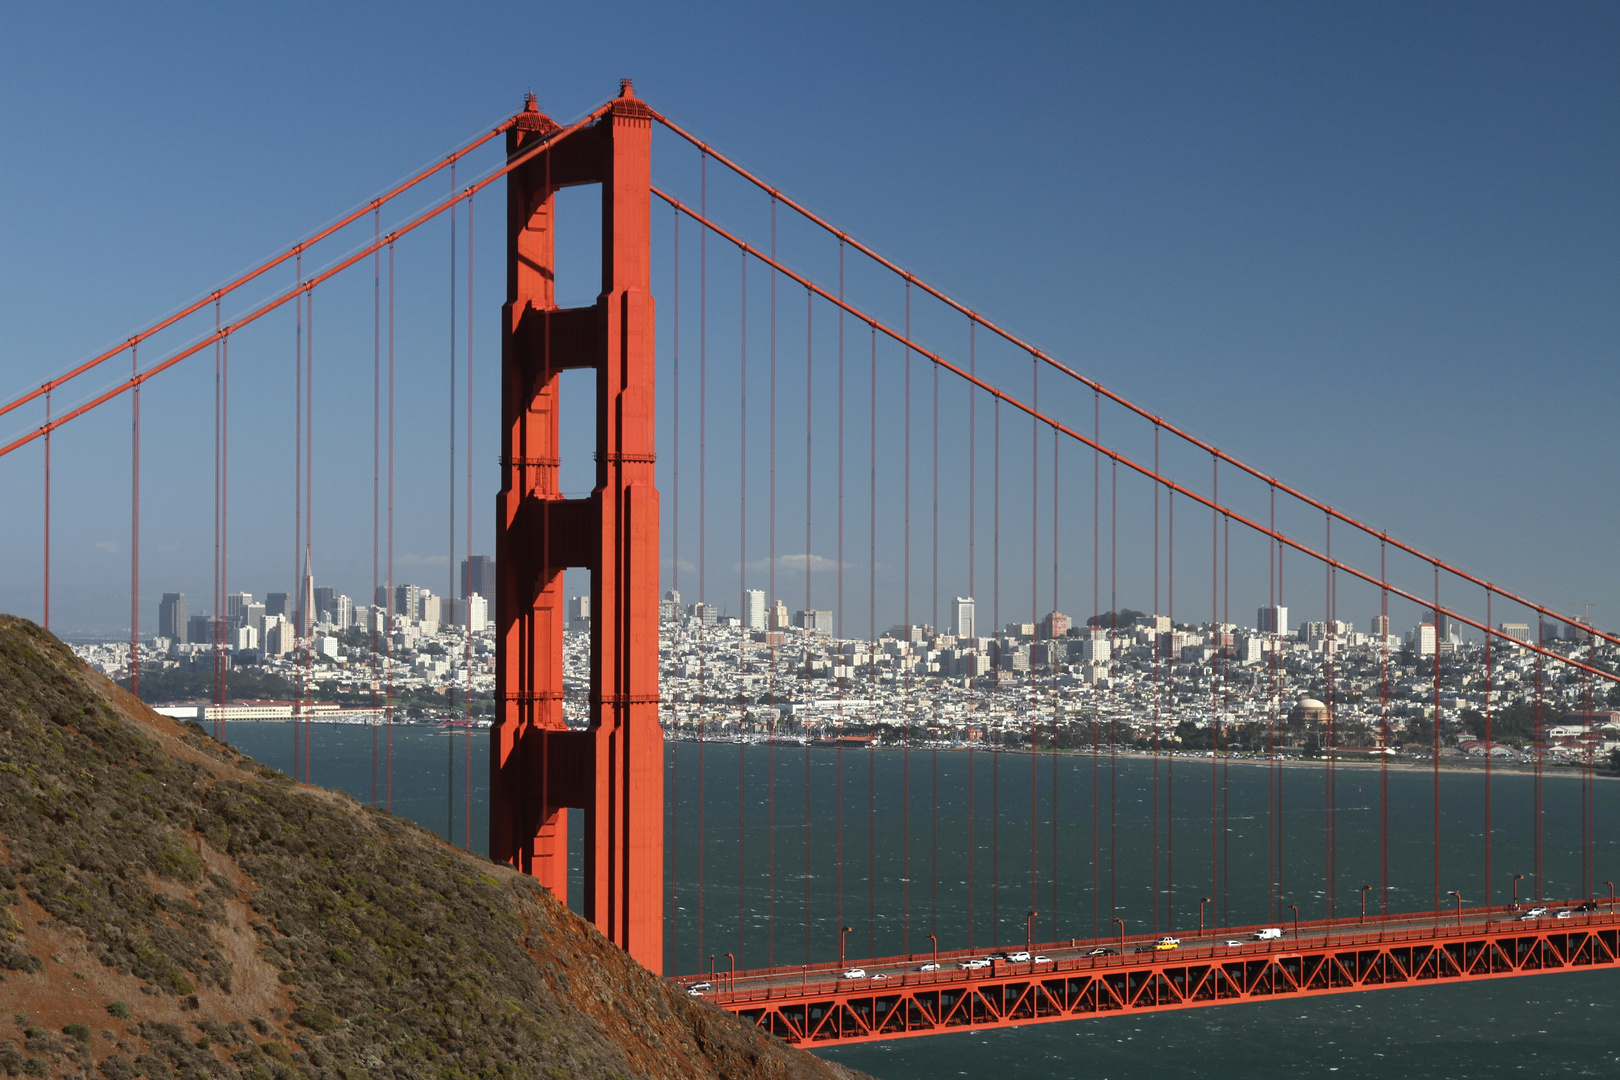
x,y
1055,625
408,601
173,618
1518,631
1424,640
427,611
343,612
579,613
275,603
669,608
753,609
236,605
1272,620
778,618
812,621
478,576
325,603
962,617
477,613
1380,626
705,614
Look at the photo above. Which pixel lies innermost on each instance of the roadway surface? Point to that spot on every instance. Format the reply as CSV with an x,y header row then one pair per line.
x,y
1089,954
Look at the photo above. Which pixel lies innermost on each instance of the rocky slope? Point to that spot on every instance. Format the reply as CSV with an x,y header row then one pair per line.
x,y
171,908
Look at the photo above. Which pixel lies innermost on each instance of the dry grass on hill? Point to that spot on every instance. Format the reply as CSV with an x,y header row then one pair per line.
x,y
171,908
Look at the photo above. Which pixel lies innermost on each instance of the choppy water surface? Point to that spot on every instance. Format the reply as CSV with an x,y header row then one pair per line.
x,y
887,854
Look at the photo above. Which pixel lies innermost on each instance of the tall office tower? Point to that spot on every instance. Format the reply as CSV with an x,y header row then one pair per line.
x,y
325,602
236,605
814,621
1424,640
428,611
579,613
1272,620
343,612
477,613
408,601
778,617
173,619
275,603
478,576
669,608
962,617
1380,626
253,615
1055,625
754,609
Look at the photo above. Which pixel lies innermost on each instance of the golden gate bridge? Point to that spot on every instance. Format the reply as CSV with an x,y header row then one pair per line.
x,y
1025,450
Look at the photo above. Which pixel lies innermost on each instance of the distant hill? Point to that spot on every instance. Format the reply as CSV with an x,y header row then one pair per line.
x,y
170,908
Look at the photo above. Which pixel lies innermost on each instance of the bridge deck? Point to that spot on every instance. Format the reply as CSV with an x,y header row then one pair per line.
x,y
814,1005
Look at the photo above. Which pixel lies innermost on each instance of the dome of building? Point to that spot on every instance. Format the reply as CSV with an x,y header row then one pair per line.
x,y
1310,710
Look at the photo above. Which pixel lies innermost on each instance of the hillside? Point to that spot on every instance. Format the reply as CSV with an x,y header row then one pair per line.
x,y
171,908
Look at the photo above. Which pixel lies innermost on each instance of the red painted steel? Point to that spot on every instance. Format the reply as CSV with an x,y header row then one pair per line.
x,y
813,1006
613,770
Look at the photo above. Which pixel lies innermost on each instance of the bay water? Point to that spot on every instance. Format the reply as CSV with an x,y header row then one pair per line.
x,y
881,845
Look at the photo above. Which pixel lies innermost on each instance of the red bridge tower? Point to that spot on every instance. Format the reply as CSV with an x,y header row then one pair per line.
x,y
614,771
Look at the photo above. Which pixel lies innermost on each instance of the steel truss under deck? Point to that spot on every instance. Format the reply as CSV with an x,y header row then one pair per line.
x,y
967,1000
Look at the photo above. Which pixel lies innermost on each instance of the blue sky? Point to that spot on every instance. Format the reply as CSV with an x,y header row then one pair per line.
x,y
1371,249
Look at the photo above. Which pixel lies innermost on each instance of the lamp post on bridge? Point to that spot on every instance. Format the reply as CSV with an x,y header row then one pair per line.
x,y
1121,938
731,977
1295,909
1458,895
1202,900
1610,884
1516,879
1029,937
842,930
1364,889
935,968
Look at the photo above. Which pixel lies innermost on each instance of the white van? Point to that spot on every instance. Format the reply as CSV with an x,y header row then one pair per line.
x,y
1270,933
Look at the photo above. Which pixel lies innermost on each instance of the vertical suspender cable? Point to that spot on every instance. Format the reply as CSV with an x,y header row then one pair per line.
x,y
1226,760
1383,728
703,513
905,728
1489,747
772,630
995,621
839,824
46,619
972,529
1218,641
1170,700
224,501
1035,617
376,484
466,589
871,630
1095,628
675,565
1436,748
296,597
1052,675
742,574
450,524
1113,718
388,597
1158,652
933,682
307,588
135,530
809,460
1536,811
